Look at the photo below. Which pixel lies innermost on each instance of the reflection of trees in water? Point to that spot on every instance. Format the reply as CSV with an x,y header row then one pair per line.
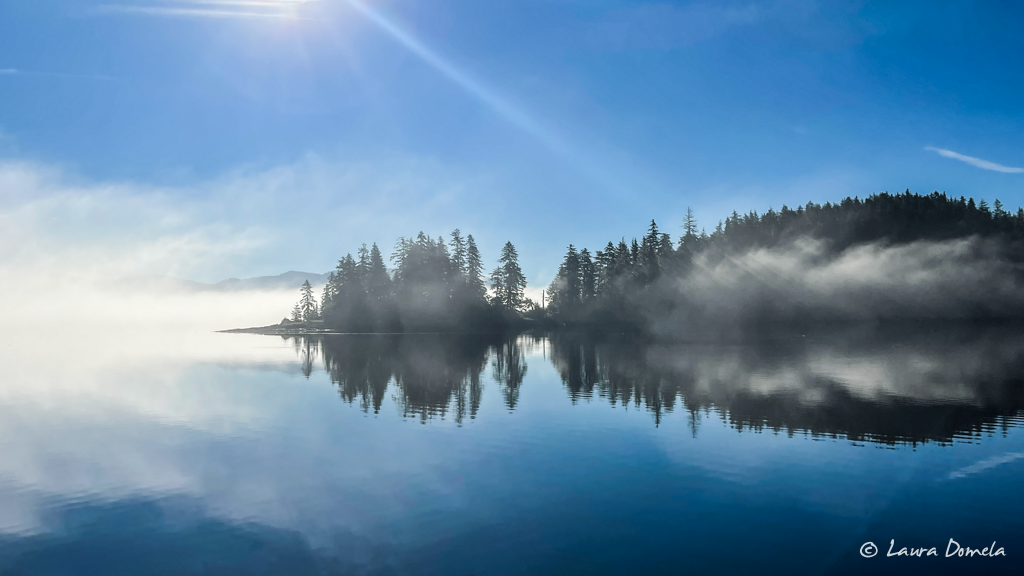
x,y
433,375
430,371
910,389
361,367
509,369
308,351
905,390
615,370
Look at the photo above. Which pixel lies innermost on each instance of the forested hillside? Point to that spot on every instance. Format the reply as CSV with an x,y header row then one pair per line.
x,y
886,256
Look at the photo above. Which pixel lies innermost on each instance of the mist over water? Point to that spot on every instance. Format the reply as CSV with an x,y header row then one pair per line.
x,y
369,453
75,303
776,391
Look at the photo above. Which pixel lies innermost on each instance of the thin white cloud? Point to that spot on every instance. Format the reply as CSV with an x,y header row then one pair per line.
x,y
273,9
16,71
977,162
246,222
194,12
275,3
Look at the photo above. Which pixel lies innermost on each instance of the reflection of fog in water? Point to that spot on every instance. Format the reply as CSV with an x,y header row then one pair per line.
x,y
879,387
213,444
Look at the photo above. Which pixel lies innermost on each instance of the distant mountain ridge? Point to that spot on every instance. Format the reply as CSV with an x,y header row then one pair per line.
x,y
290,280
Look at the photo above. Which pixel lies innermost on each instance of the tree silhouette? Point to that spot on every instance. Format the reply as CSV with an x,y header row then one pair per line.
x,y
689,226
508,281
474,270
588,277
308,303
626,272
438,284
509,370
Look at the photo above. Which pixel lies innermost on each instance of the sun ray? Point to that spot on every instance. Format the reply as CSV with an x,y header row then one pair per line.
x,y
519,118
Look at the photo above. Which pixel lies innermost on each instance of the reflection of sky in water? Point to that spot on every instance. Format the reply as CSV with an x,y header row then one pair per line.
x,y
165,454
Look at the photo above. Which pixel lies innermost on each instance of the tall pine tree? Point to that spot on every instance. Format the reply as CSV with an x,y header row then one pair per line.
x,y
508,281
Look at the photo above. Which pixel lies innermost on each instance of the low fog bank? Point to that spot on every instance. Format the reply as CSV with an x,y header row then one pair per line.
x,y
803,283
291,280
75,303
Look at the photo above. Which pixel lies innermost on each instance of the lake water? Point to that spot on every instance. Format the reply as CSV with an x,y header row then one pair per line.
x,y
149,453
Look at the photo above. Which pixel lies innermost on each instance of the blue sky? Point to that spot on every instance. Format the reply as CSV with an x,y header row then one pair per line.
x,y
230,138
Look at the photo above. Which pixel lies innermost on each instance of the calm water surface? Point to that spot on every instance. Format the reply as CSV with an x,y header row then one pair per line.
x,y
242,454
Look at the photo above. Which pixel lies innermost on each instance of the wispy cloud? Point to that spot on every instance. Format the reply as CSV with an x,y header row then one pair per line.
x,y
273,9
977,162
274,3
18,72
192,12
242,223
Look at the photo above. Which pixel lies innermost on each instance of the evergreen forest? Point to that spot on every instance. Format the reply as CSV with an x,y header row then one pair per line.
x,y
440,284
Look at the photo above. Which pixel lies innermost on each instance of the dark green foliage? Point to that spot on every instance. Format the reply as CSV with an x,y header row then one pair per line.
x,y
508,281
588,277
474,271
565,290
890,218
625,272
458,251
307,307
438,285
434,286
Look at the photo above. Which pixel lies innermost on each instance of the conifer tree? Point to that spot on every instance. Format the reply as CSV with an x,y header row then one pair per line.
x,y
623,259
508,280
565,289
498,286
378,283
474,269
689,226
605,267
363,264
458,252
327,296
588,277
307,303
650,267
